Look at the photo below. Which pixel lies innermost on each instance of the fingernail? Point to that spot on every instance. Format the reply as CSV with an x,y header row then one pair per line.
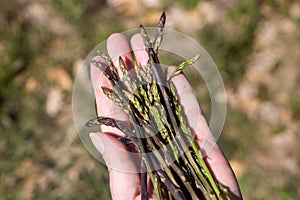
x,y
97,142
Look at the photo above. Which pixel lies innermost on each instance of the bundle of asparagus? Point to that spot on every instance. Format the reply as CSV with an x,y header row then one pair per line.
x,y
160,133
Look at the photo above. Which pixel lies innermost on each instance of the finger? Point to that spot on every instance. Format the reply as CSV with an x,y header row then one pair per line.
x,y
123,183
117,45
138,47
192,111
204,138
223,171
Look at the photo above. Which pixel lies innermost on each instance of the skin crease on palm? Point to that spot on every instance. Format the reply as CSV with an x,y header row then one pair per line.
x,y
124,185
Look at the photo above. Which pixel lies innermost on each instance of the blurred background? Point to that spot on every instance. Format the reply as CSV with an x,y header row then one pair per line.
x,y
255,44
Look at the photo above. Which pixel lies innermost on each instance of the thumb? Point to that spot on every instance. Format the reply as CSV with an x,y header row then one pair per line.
x,y
123,174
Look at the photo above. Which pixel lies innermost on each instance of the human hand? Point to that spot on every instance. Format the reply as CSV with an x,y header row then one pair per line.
x,y
124,184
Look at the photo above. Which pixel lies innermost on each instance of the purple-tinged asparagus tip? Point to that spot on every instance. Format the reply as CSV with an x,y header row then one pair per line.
x,y
92,122
162,20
